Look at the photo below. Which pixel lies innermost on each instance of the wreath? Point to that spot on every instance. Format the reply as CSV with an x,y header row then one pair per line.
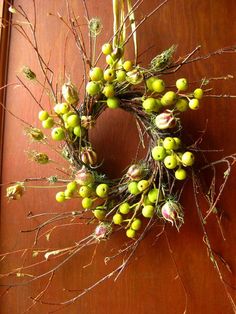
x,y
150,189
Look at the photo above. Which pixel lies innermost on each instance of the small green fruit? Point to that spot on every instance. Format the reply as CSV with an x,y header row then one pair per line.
x,y
60,197
169,143
136,224
180,174
182,84
170,162
154,195
87,202
149,104
93,88
113,102
107,49
64,107
121,76
130,233
128,65
143,185
58,134
43,115
72,186
188,159
48,124
117,219
158,86
148,211
124,208
149,82
198,93
85,191
133,188
96,74
109,75
99,214
102,190
169,98
158,153
77,131
194,104
73,120
109,90
182,104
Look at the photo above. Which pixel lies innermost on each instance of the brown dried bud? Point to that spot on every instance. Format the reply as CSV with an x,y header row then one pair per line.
x,y
135,172
88,156
15,191
70,93
87,122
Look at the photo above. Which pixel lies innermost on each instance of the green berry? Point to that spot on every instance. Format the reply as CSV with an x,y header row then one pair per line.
x,y
198,93
182,104
96,74
194,104
136,224
85,191
107,49
128,65
109,90
143,185
130,233
60,197
169,98
149,82
77,131
109,60
117,219
148,211
158,153
93,88
133,188
99,214
73,120
154,195
120,76
182,84
58,134
180,174
158,86
169,143
48,124
87,202
43,115
68,194
170,162
72,186
113,102
149,104
188,159
64,107
102,190
124,208
109,75
178,143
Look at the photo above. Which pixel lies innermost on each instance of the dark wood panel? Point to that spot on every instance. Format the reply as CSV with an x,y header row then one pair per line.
x,y
150,283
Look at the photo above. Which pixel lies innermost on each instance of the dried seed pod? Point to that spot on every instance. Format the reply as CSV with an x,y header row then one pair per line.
x,y
165,120
28,73
84,176
135,172
40,158
15,191
95,26
87,122
35,134
103,231
172,212
88,156
70,93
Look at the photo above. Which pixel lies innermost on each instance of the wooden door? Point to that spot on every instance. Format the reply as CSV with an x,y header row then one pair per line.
x,y
169,274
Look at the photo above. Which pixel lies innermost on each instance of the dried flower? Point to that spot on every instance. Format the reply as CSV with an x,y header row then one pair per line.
x,y
84,177
162,61
103,231
87,122
165,120
35,134
40,158
15,191
28,73
95,26
172,212
134,77
70,93
88,156
135,172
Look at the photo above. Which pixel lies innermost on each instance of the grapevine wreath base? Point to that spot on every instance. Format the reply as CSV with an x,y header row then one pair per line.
x,y
149,192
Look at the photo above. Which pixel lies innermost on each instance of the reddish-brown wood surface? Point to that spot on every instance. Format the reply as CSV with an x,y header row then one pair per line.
x,y
150,283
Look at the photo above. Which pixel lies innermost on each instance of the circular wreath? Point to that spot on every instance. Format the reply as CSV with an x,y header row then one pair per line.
x,y
150,189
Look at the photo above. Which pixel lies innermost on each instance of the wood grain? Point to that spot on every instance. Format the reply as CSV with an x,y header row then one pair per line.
x,y
150,283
